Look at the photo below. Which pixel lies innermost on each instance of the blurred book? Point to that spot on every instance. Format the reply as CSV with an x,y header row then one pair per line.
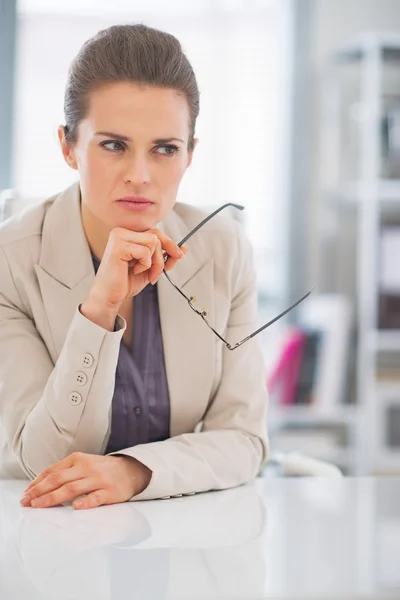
x,y
389,278
283,381
314,362
388,366
390,130
329,316
307,372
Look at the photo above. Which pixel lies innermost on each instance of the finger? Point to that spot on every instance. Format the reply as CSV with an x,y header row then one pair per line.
x,y
145,238
37,480
65,493
158,264
96,498
168,245
52,482
141,254
66,462
171,262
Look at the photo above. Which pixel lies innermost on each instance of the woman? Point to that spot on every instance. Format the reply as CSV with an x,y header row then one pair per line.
x,y
112,389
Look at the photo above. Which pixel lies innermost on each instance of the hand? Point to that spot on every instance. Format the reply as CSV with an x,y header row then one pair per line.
x,y
105,480
131,260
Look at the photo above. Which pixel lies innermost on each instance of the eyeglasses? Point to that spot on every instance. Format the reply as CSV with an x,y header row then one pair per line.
x,y
204,313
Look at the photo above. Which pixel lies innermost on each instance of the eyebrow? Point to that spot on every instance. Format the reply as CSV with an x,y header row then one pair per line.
x,y
124,138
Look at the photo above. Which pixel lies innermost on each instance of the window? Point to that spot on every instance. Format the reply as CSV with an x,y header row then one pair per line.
x,y
237,49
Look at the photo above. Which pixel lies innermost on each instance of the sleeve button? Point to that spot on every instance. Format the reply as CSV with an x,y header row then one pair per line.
x,y
88,360
80,378
75,398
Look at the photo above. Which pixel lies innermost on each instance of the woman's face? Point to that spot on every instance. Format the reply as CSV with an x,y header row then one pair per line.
x,y
132,144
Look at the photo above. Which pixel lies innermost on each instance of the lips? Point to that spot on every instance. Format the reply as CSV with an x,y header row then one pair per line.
x,y
135,203
136,200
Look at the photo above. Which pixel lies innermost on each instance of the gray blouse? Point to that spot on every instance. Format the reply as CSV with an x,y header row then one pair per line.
x,y
140,405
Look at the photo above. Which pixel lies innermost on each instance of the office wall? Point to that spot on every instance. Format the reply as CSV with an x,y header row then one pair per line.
x,y
7,55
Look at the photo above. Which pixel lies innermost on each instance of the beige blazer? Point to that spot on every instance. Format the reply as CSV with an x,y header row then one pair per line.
x,y
218,397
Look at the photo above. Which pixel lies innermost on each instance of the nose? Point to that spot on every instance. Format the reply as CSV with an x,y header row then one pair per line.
x,y
137,170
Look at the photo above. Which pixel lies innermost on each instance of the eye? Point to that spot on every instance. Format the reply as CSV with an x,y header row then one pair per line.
x,y
167,150
113,146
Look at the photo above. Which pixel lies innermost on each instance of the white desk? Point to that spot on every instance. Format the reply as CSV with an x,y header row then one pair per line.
x,y
275,538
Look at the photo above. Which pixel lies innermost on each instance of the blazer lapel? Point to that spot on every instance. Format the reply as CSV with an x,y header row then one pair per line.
x,y
189,344
65,271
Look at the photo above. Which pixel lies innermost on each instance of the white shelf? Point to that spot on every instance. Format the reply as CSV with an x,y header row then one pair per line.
x,y
388,388
388,192
313,415
357,48
385,341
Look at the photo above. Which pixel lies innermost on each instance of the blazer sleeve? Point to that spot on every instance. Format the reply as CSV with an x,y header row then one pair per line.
x,y
232,444
41,415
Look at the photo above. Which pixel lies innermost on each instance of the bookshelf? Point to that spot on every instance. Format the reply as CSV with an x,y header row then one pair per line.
x,y
360,193
360,183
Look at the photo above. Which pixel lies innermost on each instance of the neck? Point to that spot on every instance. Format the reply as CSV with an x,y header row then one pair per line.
x,y
96,231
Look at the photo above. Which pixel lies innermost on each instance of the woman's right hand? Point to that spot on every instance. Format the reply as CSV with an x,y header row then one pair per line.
x,y
131,260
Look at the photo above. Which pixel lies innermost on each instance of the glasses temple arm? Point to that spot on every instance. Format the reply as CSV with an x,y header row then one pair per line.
x,y
204,221
285,312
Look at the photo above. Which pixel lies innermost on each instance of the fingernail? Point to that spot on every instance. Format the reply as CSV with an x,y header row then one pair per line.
x,y
36,502
78,504
25,500
181,252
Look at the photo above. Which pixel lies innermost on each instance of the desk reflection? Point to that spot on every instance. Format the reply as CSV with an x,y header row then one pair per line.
x,y
204,546
323,539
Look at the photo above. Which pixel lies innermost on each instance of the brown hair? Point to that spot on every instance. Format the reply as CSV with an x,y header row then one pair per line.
x,y
135,53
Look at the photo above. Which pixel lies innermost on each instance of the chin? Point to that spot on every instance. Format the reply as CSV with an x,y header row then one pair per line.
x,y
138,223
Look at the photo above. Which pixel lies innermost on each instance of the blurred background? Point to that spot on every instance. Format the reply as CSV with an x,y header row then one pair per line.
x,y
300,122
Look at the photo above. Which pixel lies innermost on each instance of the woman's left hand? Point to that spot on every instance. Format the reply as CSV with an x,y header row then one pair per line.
x,y
105,480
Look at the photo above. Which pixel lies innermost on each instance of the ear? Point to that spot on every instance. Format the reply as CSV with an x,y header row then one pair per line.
x,y
190,156
66,149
